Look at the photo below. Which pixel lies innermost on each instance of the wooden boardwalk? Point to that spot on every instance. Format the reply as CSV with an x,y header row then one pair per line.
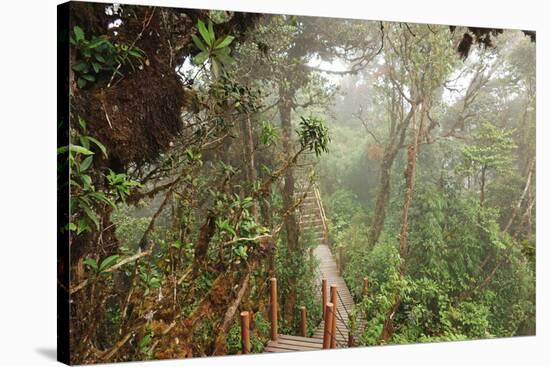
x,y
312,218
328,269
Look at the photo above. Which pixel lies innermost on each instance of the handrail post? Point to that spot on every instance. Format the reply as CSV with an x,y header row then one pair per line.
x,y
365,286
325,296
365,292
273,282
340,259
303,321
323,215
350,339
333,300
329,315
245,332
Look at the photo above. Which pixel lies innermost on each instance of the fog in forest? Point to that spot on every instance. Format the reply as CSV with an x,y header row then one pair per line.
x,y
216,155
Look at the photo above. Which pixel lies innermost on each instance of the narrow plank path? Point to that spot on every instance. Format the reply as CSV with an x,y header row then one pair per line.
x,y
328,269
312,219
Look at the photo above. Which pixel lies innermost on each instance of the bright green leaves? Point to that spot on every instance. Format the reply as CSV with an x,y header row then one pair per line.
x,y
216,50
492,148
121,184
237,237
79,34
193,156
223,42
77,149
150,279
313,135
200,44
97,55
108,262
92,264
268,134
205,34
145,341
104,265
225,227
241,251
85,201
84,198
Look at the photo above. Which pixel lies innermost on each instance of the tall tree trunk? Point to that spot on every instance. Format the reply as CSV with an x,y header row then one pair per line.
x,y
382,200
517,207
383,197
290,222
482,193
249,155
410,173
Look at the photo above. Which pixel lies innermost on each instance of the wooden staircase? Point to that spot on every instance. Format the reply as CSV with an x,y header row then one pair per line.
x,y
312,218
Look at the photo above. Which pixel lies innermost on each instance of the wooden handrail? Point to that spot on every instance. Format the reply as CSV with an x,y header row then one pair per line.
x,y
322,210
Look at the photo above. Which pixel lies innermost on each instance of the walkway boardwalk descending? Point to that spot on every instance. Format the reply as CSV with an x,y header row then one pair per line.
x,y
312,219
329,270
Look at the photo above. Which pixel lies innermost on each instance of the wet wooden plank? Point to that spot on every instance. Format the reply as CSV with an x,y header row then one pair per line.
x,y
299,339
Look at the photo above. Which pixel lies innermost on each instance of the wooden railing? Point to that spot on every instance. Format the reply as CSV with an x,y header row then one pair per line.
x,y
322,211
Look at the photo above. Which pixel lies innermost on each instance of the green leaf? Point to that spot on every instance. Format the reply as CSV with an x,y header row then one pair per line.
x,y
91,263
225,59
62,150
216,68
226,41
86,163
87,180
96,42
204,33
177,245
200,58
96,66
90,214
80,66
81,83
144,342
82,226
101,197
84,141
80,149
78,33
211,31
99,145
99,58
88,77
108,262
82,122
135,53
197,41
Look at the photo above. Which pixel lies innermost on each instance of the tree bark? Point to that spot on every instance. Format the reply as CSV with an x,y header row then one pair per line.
x,y
383,196
410,173
482,193
522,197
290,221
219,344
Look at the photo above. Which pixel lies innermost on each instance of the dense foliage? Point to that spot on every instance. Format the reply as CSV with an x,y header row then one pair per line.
x,y
190,131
